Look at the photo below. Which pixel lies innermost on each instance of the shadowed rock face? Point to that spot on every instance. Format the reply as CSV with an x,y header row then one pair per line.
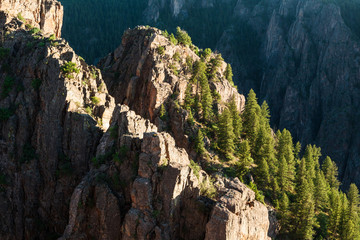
x,y
76,166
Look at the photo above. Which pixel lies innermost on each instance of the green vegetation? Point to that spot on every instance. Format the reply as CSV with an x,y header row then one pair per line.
x,y
195,167
95,100
176,56
20,17
35,30
160,50
163,114
68,69
183,37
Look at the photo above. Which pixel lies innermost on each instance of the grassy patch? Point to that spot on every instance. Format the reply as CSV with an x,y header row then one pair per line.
x,y
195,167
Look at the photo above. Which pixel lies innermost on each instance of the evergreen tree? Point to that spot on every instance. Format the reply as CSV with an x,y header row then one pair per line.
x,y
263,174
189,99
304,204
285,214
235,115
245,159
343,216
199,142
226,134
312,155
251,121
333,228
183,37
286,153
352,224
229,74
321,191
206,98
331,172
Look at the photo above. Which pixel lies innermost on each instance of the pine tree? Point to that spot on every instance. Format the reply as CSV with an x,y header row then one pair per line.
x,y
226,134
312,155
199,142
321,191
285,214
163,113
206,98
263,174
333,227
286,152
189,99
331,172
183,37
229,74
251,121
352,225
235,115
304,204
245,154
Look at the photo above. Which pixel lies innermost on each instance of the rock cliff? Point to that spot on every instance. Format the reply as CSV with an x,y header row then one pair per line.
x,y
74,165
47,15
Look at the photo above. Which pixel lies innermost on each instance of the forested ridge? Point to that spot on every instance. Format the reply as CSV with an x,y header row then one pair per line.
x,y
298,181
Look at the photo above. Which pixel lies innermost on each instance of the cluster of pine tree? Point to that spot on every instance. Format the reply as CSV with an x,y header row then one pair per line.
x,y
305,193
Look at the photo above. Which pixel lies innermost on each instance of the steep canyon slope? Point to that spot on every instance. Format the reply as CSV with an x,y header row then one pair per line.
x,y
78,164
302,56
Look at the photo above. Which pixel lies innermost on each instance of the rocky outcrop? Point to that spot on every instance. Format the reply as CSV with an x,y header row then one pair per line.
x,y
47,136
156,194
76,166
144,78
47,15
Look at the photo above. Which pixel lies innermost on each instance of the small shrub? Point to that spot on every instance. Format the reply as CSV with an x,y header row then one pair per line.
x,y
183,37
7,86
155,213
52,37
69,68
4,53
95,100
163,114
93,73
195,167
176,56
206,53
20,17
208,189
36,83
189,63
160,50
258,194
35,30
165,33
88,110
81,58
172,39
174,69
